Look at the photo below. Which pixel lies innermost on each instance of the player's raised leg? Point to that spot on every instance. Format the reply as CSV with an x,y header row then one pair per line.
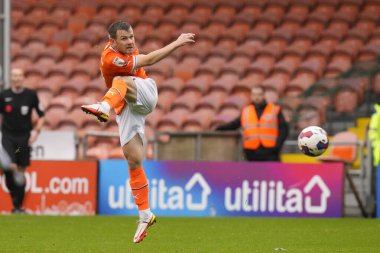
x,y
122,88
134,153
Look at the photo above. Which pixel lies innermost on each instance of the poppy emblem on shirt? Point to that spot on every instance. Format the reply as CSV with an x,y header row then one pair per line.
x,y
8,108
119,62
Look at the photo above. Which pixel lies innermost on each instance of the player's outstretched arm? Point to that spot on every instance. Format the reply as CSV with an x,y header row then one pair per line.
x,y
159,54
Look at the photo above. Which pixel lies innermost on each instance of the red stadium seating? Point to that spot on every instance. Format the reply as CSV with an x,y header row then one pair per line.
x,y
287,46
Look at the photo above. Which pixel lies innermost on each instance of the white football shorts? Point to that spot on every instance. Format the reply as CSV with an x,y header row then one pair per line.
x,y
131,120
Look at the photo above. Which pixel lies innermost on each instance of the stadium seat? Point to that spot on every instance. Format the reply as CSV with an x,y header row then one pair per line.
x,y
342,152
237,65
98,152
200,83
347,98
116,153
133,13
62,101
21,62
282,37
94,88
237,31
248,48
177,13
226,82
53,82
154,13
88,68
87,9
375,86
213,100
174,84
198,120
143,29
225,115
53,52
303,80
185,69
200,49
190,27
213,65
224,47
44,95
33,49
173,120
33,79
165,99
165,68
250,11
153,118
308,116
54,114
323,48
261,35
288,64
224,14
166,31
212,31
369,52
43,65
73,87
349,47
244,85
263,64
276,82
49,27
89,124
237,101
307,36
297,12
187,100
200,14
338,64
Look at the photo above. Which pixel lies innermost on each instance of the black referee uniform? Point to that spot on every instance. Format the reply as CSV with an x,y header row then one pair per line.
x,y
16,109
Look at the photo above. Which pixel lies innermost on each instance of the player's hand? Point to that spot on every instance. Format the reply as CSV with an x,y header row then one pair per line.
x,y
185,38
33,137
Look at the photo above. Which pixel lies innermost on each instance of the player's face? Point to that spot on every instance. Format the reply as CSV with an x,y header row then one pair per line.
x,y
125,41
17,78
257,96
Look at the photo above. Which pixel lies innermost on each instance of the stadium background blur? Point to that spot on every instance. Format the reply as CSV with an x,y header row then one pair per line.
x,y
317,58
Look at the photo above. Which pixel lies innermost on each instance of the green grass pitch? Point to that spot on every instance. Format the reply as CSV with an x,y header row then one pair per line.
x,y
22,233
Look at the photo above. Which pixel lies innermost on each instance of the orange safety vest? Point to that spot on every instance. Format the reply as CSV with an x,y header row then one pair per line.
x,y
262,131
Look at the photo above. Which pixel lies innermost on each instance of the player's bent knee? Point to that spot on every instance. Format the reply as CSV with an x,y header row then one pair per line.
x,y
134,164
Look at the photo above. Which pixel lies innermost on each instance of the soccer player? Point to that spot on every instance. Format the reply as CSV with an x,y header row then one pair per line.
x,y
132,95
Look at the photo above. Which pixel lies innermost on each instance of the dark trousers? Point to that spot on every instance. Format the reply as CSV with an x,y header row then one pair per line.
x,y
17,147
262,154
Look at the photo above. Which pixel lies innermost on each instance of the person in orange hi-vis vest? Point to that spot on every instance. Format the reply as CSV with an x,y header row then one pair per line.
x,y
133,95
264,128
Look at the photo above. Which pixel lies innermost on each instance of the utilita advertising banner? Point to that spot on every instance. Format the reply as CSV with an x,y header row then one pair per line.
x,y
226,189
57,188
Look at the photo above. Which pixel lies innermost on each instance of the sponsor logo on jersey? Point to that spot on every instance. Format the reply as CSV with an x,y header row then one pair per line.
x,y
24,110
119,62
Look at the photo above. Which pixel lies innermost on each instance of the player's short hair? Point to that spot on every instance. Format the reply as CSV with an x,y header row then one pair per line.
x,y
118,25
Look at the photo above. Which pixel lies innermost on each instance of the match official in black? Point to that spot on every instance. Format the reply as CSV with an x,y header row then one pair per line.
x,y
16,106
